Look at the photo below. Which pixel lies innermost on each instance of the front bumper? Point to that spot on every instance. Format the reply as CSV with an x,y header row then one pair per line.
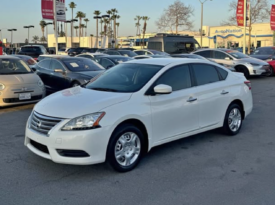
x,y
93,142
260,70
10,95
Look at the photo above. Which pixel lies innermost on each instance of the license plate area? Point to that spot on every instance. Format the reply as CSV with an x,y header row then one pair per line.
x,y
25,96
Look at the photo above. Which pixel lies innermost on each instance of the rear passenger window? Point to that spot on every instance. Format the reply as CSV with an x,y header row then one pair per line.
x,y
178,78
223,73
205,74
206,54
45,63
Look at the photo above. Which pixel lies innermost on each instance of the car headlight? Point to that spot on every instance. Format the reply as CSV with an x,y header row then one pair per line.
x,y
40,83
253,64
85,122
2,86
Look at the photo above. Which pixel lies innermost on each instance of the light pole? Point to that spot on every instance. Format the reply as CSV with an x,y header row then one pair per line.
x,y
105,38
28,27
202,2
46,24
11,30
66,30
97,17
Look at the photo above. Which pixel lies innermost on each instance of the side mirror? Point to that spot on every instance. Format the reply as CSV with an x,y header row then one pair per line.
x,y
33,69
163,89
227,58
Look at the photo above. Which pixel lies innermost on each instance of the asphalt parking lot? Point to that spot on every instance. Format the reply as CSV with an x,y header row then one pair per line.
x,y
206,169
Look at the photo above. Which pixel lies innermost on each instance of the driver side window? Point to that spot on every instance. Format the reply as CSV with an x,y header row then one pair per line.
x,y
56,65
177,77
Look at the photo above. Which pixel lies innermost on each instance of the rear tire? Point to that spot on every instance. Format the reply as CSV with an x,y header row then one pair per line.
x,y
125,148
233,120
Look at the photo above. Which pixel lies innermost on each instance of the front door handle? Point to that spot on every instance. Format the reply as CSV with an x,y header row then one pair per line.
x,y
191,99
224,92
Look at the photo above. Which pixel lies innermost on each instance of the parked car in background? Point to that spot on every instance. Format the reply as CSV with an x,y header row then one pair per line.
x,y
33,51
173,44
29,60
89,50
126,53
18,83
63,72
266,54
241,62
101,50
150,56
129,49
194,56
51,50
92,56
63,51
150,52
110,61
136,106
42,57
76,51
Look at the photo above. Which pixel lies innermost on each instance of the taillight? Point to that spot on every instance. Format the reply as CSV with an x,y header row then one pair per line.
x,y
31,62
248,84
35,59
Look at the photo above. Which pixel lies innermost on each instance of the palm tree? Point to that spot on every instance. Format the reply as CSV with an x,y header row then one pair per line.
x,y
106,23
43,39
86,21
42,25
82,26
35,39
117,25
145,19
72,6
97,13
76,27
114,17
80,15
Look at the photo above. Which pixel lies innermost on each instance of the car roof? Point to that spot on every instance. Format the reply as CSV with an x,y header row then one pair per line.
x,y
93,54
55,56
32,46
165,61
113,56
8,57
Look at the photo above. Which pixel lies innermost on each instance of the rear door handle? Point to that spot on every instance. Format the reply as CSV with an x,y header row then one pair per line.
x,y
191,99
224,92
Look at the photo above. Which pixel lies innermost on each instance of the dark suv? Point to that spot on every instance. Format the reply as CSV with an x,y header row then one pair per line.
x,y
33,51
76,51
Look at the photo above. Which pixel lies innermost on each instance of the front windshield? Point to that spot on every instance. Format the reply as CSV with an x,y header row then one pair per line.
x,y
81,65
13,66
237,54
126,78
121,59
264,51
128,53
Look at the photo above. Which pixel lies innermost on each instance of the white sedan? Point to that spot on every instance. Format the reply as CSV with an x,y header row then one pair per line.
x,y
135,106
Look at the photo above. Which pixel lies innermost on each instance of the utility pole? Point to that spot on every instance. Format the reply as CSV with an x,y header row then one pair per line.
x,y
244,26
55,23
202,2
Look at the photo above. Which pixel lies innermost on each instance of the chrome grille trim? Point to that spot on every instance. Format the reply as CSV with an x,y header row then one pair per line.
x,y
43,124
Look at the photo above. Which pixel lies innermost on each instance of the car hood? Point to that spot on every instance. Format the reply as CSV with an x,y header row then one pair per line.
x,y
90,73
252,60
262,57
77,101
18,79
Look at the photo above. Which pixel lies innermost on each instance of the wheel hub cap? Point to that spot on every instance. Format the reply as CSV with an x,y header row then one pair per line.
x,y
235,120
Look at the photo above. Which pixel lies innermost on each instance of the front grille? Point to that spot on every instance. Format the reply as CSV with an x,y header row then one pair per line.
x,y
43,124
15,100
72,153
39,146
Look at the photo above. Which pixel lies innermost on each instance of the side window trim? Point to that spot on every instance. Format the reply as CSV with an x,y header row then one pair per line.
x,y
150,89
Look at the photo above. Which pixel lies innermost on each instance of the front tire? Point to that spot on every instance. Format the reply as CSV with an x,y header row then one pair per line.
x,y
125,148
233,120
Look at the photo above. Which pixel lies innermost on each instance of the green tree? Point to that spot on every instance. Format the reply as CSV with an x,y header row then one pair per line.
x,y
80,15
42,25
145,19
76,28
35,39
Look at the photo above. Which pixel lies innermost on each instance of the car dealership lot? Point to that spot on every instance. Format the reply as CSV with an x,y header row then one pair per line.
x,y
208,168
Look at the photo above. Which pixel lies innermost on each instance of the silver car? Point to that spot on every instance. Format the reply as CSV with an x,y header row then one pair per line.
x,y
18,83
241,62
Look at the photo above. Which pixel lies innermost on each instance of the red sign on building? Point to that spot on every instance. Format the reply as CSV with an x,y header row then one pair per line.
x,y
240,13
272,18
47,9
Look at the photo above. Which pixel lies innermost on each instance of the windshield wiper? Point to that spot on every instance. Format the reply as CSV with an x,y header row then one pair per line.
x,y
105,89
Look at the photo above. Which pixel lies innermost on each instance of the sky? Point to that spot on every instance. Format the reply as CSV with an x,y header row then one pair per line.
x,y
19,13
